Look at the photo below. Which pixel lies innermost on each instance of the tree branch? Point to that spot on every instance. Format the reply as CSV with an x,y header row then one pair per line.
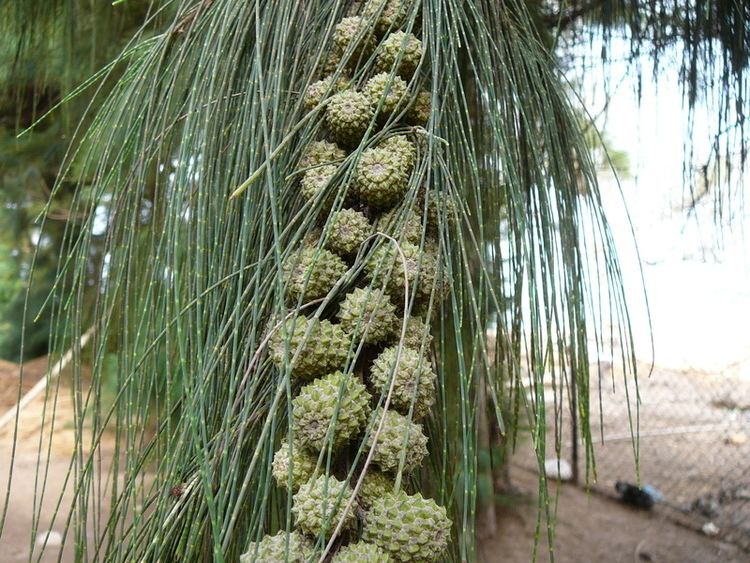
x,y
562,20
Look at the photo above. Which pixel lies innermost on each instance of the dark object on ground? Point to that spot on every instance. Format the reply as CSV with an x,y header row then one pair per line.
x,y
634,496
707,505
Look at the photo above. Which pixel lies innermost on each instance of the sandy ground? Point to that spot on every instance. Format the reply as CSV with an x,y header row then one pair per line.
x,y
15,543
9,377
593,528
29,513
590,528
44,442
694,443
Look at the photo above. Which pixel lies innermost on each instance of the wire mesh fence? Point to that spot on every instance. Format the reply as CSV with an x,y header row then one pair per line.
x,y
693,446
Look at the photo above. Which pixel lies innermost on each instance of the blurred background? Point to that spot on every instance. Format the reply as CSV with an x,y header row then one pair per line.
x,y
683,246
686,263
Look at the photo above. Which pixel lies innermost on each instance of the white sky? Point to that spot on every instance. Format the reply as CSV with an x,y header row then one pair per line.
x,y
697,275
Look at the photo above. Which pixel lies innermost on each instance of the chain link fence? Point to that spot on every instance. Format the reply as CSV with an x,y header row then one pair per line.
x,y
693,445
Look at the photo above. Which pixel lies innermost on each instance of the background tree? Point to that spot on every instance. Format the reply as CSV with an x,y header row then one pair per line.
x,y
205,96
47,51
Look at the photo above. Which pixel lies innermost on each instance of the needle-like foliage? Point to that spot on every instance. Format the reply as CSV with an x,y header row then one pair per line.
x,y
177,425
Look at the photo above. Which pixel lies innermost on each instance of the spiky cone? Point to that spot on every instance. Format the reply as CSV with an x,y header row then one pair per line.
x,y
374,485
321,503
403,46
332,61
312,238
440,205
361,552
417,336
387,94
389,269
323,351
380,178
292,547
311,273
403,149
348,115
314,186
408,527
353,38
405,225
320,152
429,307
301,465
413,381
367,314
387,15
338,404
442,283
399,436
347,230
420,109
322,89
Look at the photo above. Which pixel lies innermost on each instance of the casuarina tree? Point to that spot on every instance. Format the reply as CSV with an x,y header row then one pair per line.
x,y
342,240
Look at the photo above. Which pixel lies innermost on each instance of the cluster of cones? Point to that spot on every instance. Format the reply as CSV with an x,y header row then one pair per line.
x,y
364,359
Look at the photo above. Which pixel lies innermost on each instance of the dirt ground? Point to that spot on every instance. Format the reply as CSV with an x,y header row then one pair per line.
x,y
694,443
9,377
590,528
593,528
34,423
15,543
